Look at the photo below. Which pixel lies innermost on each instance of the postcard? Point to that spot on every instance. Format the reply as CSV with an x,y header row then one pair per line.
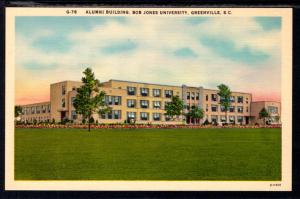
x,y
187,99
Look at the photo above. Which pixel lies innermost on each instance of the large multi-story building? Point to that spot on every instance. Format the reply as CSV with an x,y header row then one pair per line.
x,y
140,102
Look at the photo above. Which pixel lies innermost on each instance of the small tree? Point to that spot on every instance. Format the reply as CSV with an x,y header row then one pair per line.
x,y
175,107
89,98
18,111
196,113
224,93
263,114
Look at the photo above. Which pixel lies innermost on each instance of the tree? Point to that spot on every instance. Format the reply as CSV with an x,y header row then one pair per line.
x,y
18,111
196,113
89,98
224,93
263,114
175,107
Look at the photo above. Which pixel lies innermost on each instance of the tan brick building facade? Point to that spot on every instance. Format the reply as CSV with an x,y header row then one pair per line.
x,y
142,103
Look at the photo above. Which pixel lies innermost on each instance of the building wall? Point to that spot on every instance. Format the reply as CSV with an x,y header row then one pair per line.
x,y
66,91
38,111
208,102
257,107
57,96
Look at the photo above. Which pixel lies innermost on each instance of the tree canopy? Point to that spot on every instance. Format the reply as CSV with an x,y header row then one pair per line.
x,y
175,107
89,98
224,93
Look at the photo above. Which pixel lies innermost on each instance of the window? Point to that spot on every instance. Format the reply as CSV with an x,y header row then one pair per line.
x,y
131,90
73,88
156,104
222,108
206,97
144,116
167,117
63,89
44,109
247,109
144,91
32,110
240,99
38,111
188,95
168,93
206,109
131,115
63,103
231,119
131,103
188,107
72,100
223,118
156,116
231,109
246,100
113,100
73,115
240,119
198,96
214,97
214,118
116,114
109,115
232,99
156,92
49,108
144,103
272,109
240,109
214,108
193,96
117,100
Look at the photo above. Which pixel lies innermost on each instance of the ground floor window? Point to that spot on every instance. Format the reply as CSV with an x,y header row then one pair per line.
x,y
231,119
214,118
156,116
223,118
131,115
240,119
73,115
144,116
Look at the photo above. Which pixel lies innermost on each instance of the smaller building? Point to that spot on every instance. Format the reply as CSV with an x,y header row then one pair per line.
x,y
273,108
38,112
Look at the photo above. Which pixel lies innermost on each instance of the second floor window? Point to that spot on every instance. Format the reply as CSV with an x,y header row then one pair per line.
x,y
72,100
240,99
144,91
131,90
131,115
206,97
214,108
240,109
63,103
144,103
188,95
168,93
113,100
214,97
198,96
231,109
222,108
193,95
131,103
232,99
156,104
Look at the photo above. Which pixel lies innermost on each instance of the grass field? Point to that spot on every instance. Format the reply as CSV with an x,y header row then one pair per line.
x,y
148,154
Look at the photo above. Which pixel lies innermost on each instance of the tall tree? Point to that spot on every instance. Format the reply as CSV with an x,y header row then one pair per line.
x,y
18,111
196,113
263,114
175,107
224,93
89,98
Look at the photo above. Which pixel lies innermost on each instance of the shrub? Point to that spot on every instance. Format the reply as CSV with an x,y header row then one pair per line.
x,y
206,122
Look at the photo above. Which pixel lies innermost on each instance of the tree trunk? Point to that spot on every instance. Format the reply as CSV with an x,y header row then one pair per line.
x,y
89,122
226,117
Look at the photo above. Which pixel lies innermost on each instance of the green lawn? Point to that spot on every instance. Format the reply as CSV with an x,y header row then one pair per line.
x,y
148,154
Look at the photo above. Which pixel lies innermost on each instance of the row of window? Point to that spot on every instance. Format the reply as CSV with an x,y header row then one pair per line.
x,y
192,96
146,92
131,103
38,119
214,118
232,109
238,99
36,110
272,109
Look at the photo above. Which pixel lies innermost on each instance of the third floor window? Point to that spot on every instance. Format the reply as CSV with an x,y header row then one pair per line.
x,y
144,91
156,92
168,93
131,90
